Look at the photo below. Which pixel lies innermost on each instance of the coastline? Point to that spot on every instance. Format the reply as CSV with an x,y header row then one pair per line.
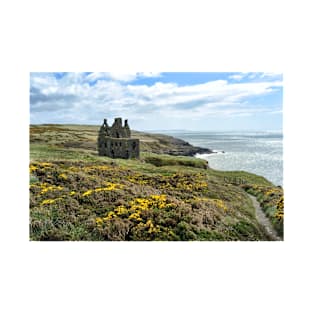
x,y
256,152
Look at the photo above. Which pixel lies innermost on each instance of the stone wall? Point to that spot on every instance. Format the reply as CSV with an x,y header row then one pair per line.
x,y
119,148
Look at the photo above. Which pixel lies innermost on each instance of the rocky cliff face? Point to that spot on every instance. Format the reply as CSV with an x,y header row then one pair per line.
x,y
163,144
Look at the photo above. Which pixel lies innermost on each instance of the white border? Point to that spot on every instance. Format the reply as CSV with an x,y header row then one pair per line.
x,y
155,36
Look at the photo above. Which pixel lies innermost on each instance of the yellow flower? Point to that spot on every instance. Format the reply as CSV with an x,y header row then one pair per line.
x,y
64,176
73,169
109,186
121,210
99,221
45,164
109,216
158,197
72,193
152,228
219,204
32,168
99,189
46,188
135,216
149,223
50,201
87,193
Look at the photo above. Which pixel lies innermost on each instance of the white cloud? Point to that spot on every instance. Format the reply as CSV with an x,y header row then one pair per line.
x,y
256,76
272,75
112,75
276,112
121,76
71,99
237,76
149,74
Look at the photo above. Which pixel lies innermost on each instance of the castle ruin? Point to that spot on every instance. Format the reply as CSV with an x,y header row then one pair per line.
x,y
116,141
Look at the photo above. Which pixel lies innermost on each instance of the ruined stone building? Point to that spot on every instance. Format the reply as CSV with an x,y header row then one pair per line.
x,y
116,142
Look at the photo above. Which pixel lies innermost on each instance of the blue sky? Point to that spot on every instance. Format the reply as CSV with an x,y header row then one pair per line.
x,y
159,101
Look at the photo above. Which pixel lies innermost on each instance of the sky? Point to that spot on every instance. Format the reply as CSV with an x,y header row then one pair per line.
x,y
200,101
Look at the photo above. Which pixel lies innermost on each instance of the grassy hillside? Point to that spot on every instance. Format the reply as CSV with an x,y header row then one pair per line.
x,y
77,195
85,137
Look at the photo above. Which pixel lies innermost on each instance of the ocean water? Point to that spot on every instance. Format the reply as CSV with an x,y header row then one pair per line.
x,y
256,152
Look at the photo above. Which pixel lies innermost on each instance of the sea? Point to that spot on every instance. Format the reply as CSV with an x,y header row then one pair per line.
x,y
256,152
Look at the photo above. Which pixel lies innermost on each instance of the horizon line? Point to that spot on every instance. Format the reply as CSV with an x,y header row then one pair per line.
x,y
169,130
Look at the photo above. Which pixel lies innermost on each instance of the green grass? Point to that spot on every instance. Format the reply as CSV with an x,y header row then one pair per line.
x,y
167,160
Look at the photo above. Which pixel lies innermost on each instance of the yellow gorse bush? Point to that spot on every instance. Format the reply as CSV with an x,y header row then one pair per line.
x,y
135,208
152,228
280,209
50,201
87,193
46,188
138,179
104,201
160,198
178,182
271,191
109,186
45,164
121,210
39,165
92,168
154,201
100,220
214,202
220,204
135,216
32,168
63,176
109,216
73,169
